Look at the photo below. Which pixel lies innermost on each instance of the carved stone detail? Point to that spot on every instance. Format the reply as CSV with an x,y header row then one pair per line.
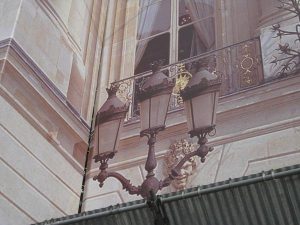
x,y
177,151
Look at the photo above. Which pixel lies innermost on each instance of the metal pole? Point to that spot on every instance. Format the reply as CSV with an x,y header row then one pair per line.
x,y
90,137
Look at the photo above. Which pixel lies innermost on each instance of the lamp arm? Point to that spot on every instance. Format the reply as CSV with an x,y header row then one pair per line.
x,y
103,175
202,151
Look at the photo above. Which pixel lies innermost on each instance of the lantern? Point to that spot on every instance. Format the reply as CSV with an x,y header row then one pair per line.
x,y
154,97
109,121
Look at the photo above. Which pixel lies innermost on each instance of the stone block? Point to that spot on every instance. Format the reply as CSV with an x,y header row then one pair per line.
x,y
9,212
206,172
38,146
26,196
275,162
102,201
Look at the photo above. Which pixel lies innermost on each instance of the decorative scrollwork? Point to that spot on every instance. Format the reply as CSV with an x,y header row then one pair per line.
x,y
181,80
248,65
238,67
177,151
125,90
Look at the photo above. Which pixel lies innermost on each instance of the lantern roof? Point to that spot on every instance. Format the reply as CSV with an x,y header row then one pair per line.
x,y
158,83
113,108
201,82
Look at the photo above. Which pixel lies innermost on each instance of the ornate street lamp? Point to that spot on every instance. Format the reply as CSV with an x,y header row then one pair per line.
x,y
109,121
200,99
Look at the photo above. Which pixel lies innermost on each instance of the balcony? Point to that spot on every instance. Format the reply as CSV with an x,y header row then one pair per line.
x,y
239,66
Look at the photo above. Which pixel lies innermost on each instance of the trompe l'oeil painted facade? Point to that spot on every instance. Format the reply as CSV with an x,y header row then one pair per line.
x,y
58,56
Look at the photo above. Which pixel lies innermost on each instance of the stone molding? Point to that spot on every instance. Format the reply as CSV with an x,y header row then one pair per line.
x,y
48,9
12,56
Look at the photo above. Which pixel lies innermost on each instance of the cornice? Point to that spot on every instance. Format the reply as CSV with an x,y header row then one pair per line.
x,y
11,47
40,128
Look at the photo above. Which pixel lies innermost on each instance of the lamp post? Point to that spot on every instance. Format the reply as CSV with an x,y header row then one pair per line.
x,y
200,100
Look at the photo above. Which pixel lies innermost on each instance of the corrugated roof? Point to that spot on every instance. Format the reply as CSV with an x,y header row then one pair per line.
x,y
267,198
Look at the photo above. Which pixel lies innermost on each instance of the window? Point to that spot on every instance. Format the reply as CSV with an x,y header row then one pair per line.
x,y
153,33
173,30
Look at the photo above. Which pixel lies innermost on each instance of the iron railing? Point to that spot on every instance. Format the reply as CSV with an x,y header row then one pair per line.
x,y
239,66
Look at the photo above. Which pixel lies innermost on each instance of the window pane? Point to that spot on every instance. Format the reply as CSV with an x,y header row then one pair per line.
x,y
196,39
150,50
193,10
154,18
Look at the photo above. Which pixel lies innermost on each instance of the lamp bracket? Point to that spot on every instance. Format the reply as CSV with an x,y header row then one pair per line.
x,y
103,175
201,133
151,133
152,130
103,159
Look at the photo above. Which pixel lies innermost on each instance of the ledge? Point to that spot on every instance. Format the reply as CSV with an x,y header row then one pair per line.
x,y
24,85
16,55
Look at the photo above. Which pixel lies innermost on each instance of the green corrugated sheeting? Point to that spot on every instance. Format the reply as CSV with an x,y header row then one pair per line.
x,y
267,198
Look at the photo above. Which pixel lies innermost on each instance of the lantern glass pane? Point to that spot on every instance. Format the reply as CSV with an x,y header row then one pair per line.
x,y
189,115
159,107
145,110
107,136
203,108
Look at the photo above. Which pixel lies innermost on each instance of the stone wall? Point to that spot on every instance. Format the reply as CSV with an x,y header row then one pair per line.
x,y
37,181
46,56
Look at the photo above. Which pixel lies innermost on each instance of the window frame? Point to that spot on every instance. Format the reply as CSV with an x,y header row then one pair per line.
x,y
174,30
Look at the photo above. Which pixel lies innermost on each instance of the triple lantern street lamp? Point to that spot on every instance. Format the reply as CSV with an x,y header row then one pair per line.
x,y
200,98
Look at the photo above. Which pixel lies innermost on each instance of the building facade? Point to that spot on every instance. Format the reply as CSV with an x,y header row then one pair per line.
x,y
58,56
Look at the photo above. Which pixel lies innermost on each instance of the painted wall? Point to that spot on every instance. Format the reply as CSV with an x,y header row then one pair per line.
x,y
53,53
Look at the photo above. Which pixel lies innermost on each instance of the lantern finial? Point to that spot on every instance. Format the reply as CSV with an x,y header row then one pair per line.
x,y
113,89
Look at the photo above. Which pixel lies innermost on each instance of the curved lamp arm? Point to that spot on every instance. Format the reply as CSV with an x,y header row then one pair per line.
x,y
103,175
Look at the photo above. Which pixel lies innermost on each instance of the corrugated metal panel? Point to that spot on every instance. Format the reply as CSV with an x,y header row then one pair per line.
x,y
271,198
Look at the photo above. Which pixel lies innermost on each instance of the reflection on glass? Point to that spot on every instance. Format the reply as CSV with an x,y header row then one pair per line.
x,y
196,39
151,50
154,18
193,10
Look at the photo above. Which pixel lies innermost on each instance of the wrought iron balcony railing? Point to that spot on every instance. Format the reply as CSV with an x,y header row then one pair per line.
x,y
239,66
